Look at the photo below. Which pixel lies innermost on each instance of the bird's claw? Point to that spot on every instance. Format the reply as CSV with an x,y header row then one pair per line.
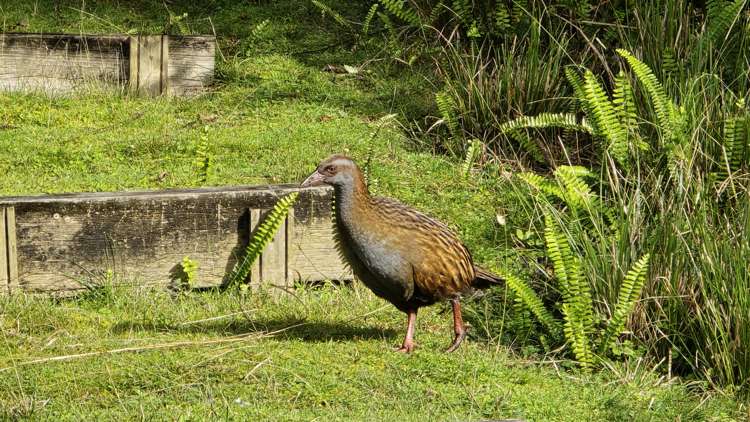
x,y
456,341
406,348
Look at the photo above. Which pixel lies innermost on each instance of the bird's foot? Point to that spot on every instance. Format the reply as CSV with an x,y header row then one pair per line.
x,y
407,347
456,341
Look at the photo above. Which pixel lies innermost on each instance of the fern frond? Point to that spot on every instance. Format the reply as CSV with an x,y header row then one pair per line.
x,y
436,12
547,120
515,129
472,153
721,17
447,107
559,253
203,161
501,18
368,18
630,291
327,10
605,116
577,304
541,184
576,81
624,101
532,301
577,193
258,31
736,141
263,236
666,111
528,144
462,9
403,11
575,335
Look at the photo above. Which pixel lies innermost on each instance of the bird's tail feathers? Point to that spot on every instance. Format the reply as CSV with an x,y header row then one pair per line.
x,y
484,279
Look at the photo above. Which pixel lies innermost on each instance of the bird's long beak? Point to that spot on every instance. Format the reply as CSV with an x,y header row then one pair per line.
x,y
315,179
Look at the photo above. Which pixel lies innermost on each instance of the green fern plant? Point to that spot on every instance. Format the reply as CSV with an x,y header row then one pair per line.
x,y
403,11
611,119
262,237
259,31
448,111
722,15
327,10
203,160
501,19
178,21
368,19
577,306
579,323
531,300
630,291
668,114
570,187
473,152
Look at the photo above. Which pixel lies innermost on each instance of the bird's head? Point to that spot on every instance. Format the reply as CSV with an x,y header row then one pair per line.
x,y
336,170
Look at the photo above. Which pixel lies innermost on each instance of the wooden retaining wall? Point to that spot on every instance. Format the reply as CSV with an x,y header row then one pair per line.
x,y
61,243
147,64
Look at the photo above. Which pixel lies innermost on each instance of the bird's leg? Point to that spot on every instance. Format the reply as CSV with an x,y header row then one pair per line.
x,y
458,326
409,344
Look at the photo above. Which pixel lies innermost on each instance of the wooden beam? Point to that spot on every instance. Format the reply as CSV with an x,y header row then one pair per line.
x,y
11,249
191,64
4,268
133,64
56,63
67,241
149,65
164,73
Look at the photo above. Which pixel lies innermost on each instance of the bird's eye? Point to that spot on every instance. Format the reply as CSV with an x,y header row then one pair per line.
x,y
330,169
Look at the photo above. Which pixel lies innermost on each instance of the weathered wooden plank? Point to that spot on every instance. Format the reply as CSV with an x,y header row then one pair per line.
x,y
255,277
67,241
273,259
149,64
58,62
133,64
10,246
191,64
152,65
164,72
4,270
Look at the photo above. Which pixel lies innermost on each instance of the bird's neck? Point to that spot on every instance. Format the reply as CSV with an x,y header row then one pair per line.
x,y
352,200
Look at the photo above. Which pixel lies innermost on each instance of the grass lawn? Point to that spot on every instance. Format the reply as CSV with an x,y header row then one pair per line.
x,y
323,352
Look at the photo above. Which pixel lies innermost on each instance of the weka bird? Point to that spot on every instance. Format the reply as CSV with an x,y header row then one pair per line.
x,y
401,254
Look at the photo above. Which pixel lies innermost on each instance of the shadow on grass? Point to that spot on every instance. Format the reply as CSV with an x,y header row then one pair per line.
x,y
289,328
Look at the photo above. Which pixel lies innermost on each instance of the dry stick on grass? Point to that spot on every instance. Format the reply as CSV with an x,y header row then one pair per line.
x,y
233,339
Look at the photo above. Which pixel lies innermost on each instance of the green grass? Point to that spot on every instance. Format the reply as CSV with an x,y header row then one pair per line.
x,y
271,118
324,353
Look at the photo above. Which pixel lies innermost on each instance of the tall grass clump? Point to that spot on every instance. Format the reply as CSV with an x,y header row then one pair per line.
x,y
675,188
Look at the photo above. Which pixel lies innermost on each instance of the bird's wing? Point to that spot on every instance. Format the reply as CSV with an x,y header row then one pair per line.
x,y
441,265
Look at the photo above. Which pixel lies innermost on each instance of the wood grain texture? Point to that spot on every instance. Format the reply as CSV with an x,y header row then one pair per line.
x,y
65,242
191,64
11,252
57,63
133,64
149,64
4,276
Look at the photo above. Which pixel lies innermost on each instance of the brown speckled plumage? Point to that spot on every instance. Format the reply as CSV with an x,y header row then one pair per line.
x,y
402,255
